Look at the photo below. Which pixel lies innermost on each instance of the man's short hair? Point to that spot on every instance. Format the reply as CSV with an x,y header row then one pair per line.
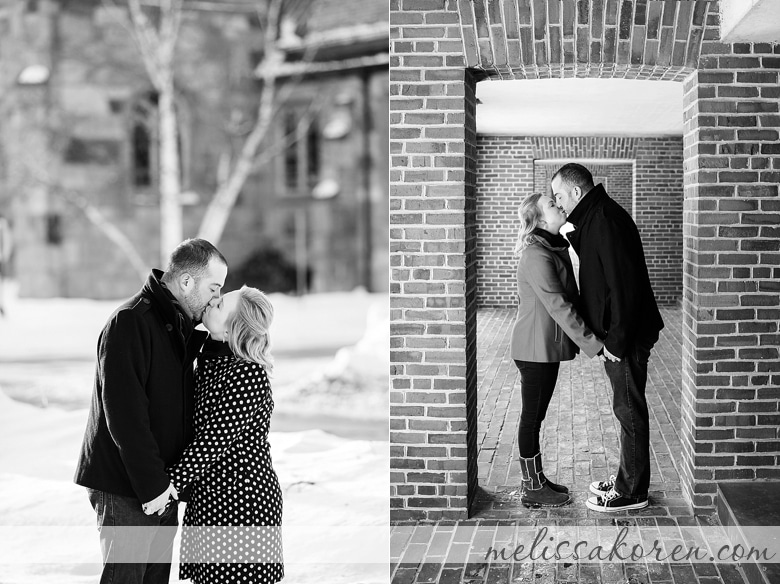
x,y
192,256
575,175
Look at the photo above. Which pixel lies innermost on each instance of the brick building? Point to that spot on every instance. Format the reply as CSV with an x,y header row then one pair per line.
x,y
77,141
443,264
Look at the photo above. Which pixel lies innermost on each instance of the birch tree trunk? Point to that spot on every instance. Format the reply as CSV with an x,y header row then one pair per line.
x,y
218,211
171,230
157,47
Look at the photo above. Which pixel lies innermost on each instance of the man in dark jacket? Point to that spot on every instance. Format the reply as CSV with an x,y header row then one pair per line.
x,y
618,305
140,418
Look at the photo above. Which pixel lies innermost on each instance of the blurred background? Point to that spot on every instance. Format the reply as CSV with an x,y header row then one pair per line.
x,y
127,126
270,142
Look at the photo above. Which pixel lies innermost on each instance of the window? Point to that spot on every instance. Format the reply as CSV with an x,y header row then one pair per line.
x,y
142,158
54,231
291,152
313,154
302,155
92,151
144,139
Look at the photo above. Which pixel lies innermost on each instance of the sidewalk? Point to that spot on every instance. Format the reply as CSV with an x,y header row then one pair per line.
x,y
580,445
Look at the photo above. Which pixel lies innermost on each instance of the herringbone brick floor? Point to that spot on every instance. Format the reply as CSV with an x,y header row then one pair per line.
x,y
580,445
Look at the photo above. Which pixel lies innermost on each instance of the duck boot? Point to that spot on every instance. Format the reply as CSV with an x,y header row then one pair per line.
x,y
536,491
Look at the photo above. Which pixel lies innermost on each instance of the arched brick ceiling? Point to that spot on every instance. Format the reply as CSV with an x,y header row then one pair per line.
x,y
530,39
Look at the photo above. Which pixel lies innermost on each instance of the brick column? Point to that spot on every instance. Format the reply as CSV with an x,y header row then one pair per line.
x,y
731,227
433,265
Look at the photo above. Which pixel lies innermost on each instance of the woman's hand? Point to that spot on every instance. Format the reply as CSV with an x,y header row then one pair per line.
x,y
607,355
158,504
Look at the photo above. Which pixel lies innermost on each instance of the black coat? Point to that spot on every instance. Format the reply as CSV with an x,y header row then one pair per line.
x,y
142,407
617,300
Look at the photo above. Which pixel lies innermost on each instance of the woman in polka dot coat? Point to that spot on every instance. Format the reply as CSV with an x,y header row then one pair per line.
x,y
232,523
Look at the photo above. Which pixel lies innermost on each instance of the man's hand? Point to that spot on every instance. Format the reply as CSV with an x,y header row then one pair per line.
x,y
610,356
159,504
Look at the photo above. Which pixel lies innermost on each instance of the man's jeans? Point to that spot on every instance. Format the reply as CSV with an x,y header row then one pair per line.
x,y
629,380
136,548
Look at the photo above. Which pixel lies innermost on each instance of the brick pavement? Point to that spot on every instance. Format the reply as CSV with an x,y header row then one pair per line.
x,y
580,444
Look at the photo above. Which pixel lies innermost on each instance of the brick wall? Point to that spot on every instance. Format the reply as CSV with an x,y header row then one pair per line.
x,y
506,177
731,225
658,214
731,348
617,178
620,186
507,173
433,265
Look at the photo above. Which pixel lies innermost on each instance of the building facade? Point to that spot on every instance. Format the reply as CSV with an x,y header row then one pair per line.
x,y
79,147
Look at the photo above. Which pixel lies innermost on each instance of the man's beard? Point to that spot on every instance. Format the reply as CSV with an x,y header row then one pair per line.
x,y
195,305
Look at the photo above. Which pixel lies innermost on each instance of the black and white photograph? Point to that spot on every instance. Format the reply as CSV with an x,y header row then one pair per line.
x,y
194,289
585,291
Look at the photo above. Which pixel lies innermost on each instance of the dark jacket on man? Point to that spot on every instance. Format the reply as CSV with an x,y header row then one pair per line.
x,y
547,328
140,419
617,300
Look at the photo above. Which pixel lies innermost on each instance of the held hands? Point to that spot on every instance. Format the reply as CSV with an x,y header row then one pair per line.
x,y
159,504
607,355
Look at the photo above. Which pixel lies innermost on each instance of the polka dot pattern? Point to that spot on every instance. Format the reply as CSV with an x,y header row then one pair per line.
x,y
228,466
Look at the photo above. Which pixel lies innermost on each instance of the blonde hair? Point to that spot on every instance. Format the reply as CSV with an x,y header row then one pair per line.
x,y
530,214
247,328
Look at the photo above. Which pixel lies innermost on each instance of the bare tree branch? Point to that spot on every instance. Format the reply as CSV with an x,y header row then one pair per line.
x,y
218,211
108,229
272,100
156,46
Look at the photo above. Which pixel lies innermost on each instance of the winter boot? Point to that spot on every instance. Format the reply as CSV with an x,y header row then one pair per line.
x,y
536,491
554,486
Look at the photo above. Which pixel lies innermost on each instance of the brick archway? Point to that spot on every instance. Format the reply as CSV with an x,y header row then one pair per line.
x,y
731,374
536,39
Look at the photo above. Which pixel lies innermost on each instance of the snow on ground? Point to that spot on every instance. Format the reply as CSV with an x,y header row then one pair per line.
x,y
336,509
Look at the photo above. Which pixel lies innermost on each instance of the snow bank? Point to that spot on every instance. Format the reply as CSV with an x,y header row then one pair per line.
x,y
331,352
334,489
355,382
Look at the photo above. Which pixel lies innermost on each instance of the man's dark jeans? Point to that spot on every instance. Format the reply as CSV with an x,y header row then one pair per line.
x,y
136,548
628,378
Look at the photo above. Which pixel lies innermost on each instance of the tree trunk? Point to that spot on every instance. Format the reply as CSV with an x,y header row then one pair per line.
x,y
218,212
171,231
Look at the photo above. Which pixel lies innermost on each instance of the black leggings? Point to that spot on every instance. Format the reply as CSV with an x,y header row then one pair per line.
x,y
537,382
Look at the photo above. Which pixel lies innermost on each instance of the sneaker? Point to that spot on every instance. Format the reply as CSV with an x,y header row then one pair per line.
x,y
603,487
614,501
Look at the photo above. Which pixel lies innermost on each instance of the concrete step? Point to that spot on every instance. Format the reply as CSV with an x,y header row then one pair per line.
x,y
742,506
